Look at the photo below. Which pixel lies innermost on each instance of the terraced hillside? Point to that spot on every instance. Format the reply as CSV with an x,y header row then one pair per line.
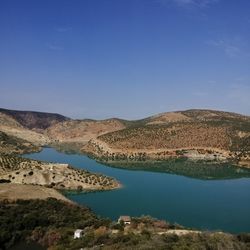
x,y
202,134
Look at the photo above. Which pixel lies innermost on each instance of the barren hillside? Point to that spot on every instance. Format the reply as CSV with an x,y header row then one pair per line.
x,y
82,131
11,144
46,128
34,120
15,139
11,126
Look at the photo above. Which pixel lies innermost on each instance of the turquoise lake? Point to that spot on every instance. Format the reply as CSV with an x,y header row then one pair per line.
x,y
202,204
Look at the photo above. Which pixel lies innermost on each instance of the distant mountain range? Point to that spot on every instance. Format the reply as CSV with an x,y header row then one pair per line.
x,y
196,134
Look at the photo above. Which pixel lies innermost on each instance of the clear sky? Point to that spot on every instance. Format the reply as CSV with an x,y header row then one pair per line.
x,y
124,58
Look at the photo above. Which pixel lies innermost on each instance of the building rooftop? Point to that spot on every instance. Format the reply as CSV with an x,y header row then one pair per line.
x,y
125,218
78,230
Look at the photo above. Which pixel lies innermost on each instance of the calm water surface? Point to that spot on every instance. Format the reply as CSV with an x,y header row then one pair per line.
x,y
202,204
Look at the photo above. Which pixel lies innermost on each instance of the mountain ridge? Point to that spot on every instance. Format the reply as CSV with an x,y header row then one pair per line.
x,y
34,119
194,133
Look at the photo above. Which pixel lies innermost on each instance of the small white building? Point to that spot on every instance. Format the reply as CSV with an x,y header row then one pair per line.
x,y
78,233
125,219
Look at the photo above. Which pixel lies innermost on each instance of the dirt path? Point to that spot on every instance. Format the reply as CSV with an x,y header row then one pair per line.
x,y
179,232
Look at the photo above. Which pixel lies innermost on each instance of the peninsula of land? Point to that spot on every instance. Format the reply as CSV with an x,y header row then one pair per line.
x,y
22,178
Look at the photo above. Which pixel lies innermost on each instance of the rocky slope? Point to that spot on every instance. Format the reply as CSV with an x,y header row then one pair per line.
x,y
34,120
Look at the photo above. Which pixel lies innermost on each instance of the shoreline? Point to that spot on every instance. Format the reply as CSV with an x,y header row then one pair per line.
x,y
64,192
102,151
18,171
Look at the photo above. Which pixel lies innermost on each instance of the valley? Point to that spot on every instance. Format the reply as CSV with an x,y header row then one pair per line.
x,y
145,160
193,134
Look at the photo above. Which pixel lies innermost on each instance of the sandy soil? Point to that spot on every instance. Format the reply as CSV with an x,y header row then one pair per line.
x,y
27,192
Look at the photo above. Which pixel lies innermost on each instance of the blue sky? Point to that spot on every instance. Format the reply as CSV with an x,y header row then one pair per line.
x,y
124,58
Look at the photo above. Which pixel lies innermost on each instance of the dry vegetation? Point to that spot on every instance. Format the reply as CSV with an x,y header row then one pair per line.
x,y
14,192
81,131
202,134
19,170
193,133
11,144
34,120
177,136
51,223
15,169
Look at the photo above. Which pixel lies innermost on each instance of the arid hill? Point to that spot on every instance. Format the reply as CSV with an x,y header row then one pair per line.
x,y
10,125
81,131
53,129
15,139
34,120
197,134
19,170
11,144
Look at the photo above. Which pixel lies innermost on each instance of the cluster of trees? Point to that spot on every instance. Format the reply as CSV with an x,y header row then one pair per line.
x,y
42,220
196,169
52,223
